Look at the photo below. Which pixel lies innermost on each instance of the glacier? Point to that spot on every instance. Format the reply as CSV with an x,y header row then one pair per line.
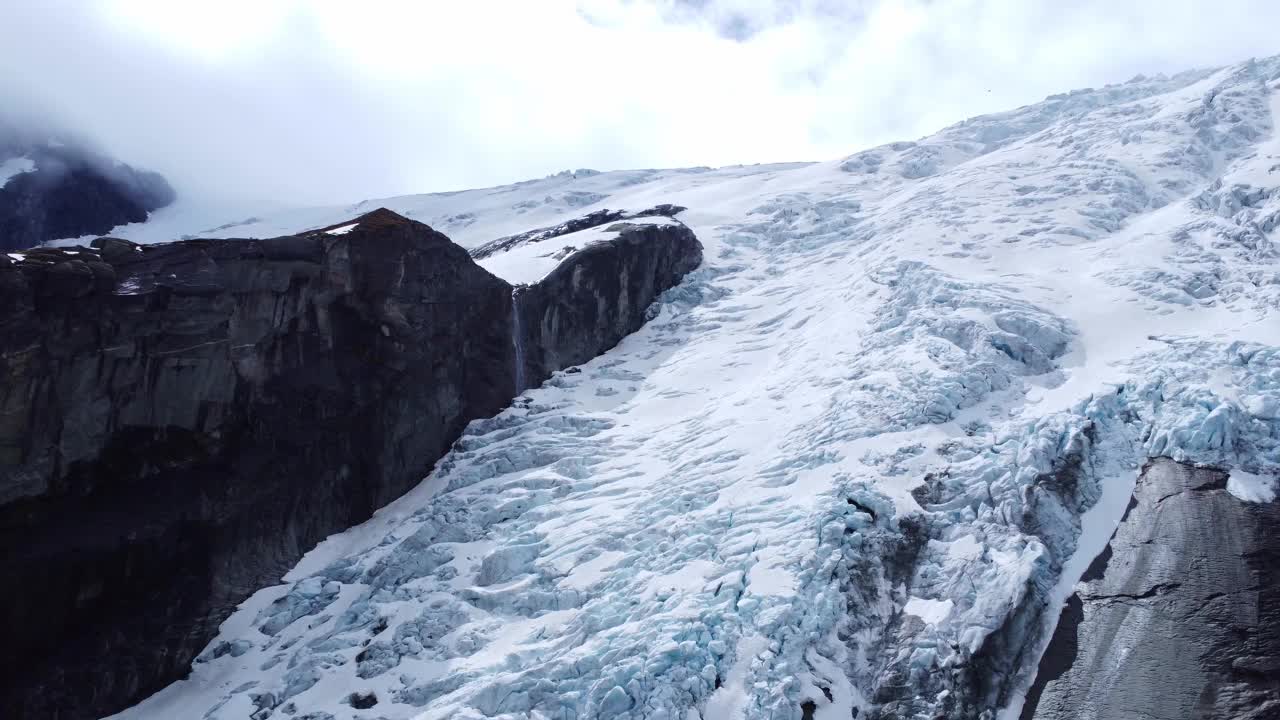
x,y
852,466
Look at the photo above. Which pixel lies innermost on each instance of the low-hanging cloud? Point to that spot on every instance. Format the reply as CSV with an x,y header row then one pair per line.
x,y
290,102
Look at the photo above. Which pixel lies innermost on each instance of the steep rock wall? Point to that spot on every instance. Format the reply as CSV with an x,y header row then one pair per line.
x,y
600,294
1179,617
181,422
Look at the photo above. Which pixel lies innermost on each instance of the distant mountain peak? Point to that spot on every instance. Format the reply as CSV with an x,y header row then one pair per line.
x,y
54,186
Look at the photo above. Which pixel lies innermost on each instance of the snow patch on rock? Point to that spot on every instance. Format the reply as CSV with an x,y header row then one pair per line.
x,y
1251,487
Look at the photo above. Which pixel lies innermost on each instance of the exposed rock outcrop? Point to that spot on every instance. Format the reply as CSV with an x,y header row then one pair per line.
x,y
1179,617
71,192
600,294
181,422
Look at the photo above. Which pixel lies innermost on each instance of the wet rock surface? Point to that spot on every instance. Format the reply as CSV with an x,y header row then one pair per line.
x,y
1179,617
181,422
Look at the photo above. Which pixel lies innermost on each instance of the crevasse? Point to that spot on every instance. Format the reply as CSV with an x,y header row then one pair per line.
x,y
846,462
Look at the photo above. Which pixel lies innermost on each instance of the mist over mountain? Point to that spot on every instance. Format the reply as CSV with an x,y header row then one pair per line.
x,y
55,184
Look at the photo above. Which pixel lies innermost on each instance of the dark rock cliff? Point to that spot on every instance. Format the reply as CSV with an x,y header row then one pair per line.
x,y
74,192
599,295
179,423
1179,617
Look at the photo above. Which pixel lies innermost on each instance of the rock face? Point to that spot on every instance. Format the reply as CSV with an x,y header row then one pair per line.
x,y
599,295
72,192
181,422
1179,617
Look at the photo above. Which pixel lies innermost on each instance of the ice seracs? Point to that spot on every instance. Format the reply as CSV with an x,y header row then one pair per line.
x,y
851,463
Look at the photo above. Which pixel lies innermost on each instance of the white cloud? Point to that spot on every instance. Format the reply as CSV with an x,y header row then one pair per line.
x,y
326,101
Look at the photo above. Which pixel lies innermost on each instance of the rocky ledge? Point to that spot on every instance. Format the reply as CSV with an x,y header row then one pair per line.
x,y
180,422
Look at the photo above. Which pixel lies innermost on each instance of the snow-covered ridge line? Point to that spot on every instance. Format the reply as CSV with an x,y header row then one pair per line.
x,y
896,384
470,218
529,261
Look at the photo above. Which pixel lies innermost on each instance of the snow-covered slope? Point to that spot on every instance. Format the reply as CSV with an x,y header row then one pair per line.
x,y
854,452
469,217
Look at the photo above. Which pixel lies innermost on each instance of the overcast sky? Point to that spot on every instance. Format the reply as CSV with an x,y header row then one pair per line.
x,y
311,101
